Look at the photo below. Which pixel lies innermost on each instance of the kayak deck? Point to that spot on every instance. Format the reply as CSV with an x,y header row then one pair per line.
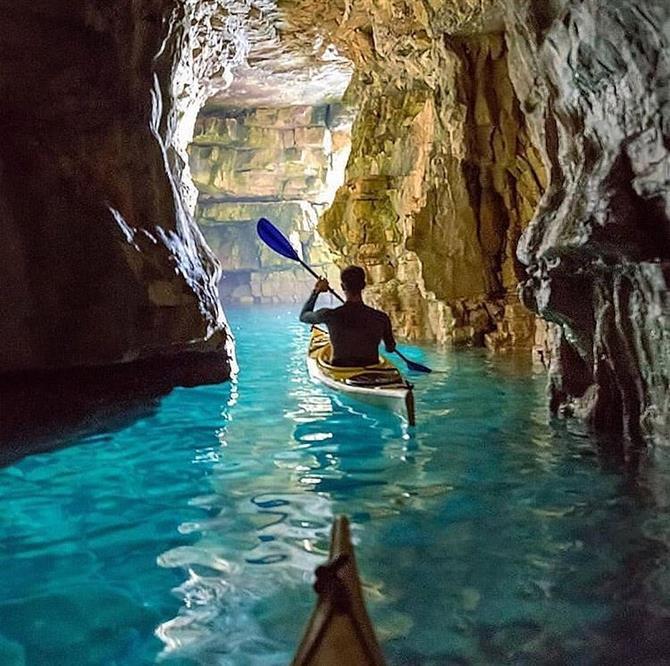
x,y
380,384
339,631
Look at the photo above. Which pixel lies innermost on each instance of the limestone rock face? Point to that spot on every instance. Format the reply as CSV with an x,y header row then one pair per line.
x,y
100,260
283,163
442,178
593,78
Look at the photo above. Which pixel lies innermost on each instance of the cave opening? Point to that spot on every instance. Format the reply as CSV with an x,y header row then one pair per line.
x,y
284,163
272,140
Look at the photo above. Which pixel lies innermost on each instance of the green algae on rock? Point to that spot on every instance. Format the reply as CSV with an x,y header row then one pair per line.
x,y
283,163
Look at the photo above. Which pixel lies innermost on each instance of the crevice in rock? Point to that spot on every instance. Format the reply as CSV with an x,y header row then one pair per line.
x,y
636,228
593,83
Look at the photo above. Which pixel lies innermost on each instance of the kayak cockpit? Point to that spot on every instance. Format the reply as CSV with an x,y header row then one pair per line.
x,y
380,384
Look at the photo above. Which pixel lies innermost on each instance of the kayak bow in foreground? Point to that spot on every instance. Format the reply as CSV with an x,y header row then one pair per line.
x,y
380,384
339,632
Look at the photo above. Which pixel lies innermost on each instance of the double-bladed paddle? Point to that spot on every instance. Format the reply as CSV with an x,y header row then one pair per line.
x,y
276,241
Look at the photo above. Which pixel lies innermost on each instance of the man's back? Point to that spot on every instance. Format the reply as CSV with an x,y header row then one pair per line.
x,y
355,333
355,329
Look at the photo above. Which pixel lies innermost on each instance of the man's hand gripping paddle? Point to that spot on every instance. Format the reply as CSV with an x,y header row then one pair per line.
x,y
276,241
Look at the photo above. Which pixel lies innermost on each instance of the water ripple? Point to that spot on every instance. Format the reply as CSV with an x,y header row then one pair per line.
x,y
488,534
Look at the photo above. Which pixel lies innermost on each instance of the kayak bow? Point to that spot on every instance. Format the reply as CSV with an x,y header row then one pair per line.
x,y
380,384
339,631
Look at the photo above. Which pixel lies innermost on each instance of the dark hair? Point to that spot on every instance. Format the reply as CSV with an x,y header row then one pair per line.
x,y
353,279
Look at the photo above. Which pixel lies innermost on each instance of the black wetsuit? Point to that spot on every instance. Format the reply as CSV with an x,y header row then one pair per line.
x,y
355,331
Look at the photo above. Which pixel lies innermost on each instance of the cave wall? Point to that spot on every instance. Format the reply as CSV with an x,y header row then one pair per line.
x,y
283,163
442,179
594,81
472,112
101,261
557,136
443,175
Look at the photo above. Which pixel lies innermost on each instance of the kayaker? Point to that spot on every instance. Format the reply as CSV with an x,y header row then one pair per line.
x,y
355,329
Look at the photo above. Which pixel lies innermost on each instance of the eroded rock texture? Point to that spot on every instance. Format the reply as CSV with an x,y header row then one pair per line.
x,y
100,260
475,116
442,176
594,79
282,163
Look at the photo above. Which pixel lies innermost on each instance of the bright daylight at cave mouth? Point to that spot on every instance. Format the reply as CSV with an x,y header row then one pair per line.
x,y
334,332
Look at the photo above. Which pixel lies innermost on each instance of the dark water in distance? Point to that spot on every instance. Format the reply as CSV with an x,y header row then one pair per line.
x,y
486,535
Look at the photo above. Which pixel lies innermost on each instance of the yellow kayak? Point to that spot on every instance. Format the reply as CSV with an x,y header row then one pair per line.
x,y
380,384
339,633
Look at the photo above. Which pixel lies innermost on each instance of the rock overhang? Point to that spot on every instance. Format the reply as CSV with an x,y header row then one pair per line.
x,y
273,63
304,51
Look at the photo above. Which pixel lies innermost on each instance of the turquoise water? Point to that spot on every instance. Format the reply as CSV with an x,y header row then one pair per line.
x,y
485,535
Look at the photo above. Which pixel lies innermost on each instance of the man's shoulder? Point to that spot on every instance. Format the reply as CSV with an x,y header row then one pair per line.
x,y
340,309
377,314
331,313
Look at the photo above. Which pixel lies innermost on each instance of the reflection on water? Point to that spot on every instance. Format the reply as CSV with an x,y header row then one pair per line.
x,y
485,535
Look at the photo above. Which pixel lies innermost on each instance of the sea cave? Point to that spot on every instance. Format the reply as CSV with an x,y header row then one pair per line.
x,y
186,469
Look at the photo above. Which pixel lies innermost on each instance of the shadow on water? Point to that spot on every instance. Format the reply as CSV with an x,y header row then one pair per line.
x,y
42,412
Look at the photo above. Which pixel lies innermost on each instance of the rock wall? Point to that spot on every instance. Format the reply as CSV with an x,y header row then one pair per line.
x,y
443,177
469,111
281,163
462,135
101,262
594,78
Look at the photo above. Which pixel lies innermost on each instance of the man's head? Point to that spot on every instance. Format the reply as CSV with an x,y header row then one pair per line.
x,y
353,279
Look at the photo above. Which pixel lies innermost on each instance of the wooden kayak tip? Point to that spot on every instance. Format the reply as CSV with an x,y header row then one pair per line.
x,y
339,632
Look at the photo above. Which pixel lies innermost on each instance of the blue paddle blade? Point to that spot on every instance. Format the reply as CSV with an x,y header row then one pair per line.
x,y
274,238
417,367
413,365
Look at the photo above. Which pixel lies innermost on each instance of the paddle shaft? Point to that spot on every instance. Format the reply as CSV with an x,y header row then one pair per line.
x,y
412,365
403,357
318,277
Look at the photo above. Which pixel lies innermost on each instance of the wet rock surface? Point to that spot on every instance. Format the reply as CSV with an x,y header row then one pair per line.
x,y
594,81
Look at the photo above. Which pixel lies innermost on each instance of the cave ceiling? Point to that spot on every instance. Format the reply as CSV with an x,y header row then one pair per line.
x,y
277,62
285,52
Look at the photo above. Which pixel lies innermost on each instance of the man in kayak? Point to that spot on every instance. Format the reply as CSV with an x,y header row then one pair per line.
x,y
355,329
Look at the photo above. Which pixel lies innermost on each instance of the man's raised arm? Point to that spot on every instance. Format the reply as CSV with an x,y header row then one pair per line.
x,y
307,314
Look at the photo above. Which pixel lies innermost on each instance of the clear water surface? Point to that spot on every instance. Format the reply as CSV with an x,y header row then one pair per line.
x,y
486,535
